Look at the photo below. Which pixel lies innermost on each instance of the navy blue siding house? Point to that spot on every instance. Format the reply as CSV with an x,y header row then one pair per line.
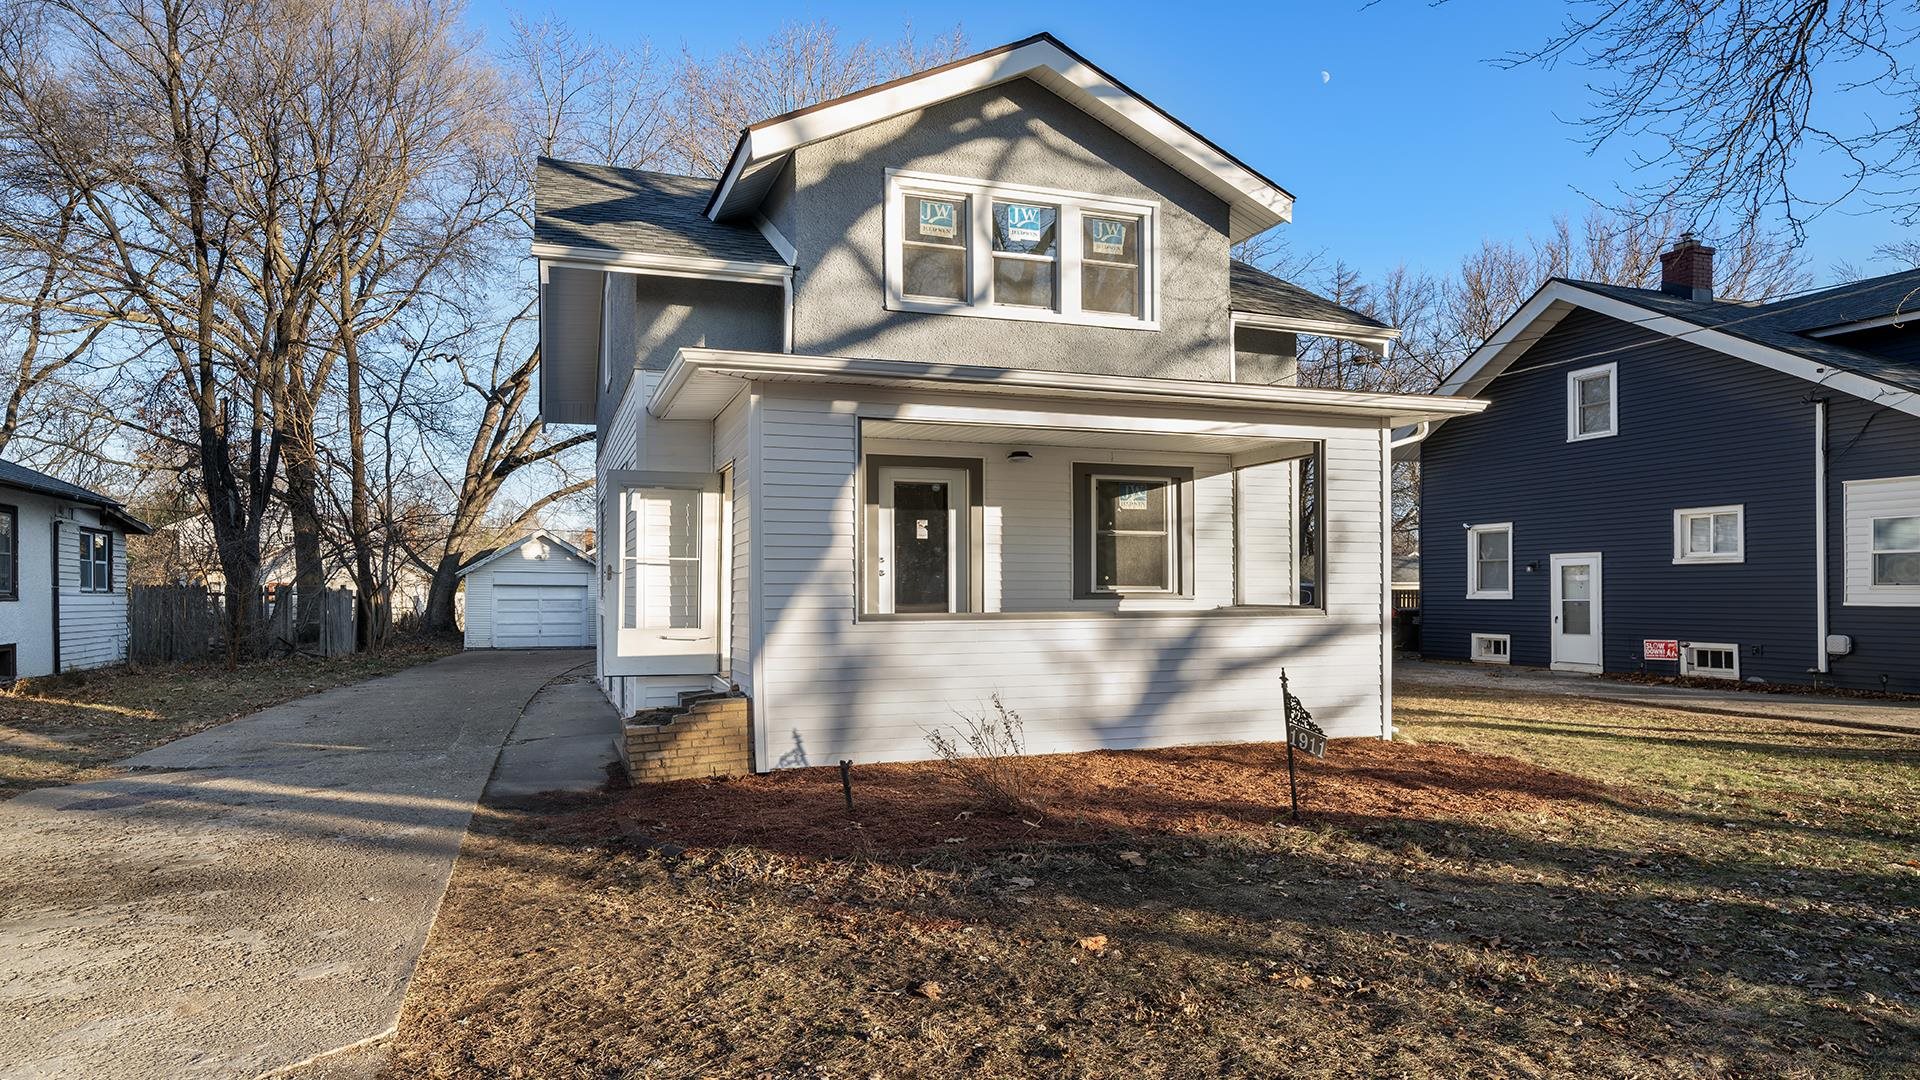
x,y
1659,466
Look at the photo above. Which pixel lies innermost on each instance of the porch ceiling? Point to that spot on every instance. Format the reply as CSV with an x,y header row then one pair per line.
x,y
701,382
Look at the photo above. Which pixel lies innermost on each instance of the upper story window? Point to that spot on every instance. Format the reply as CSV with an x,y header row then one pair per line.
x,y
1592,403
1009,251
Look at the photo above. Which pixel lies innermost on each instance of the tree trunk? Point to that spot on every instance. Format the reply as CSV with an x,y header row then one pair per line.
x,y
440,596
302,498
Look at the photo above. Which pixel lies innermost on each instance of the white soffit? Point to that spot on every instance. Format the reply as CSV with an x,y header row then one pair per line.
x,y
1555,299
1256,202
701,382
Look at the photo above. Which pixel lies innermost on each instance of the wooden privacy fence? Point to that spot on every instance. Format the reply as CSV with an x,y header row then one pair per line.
x,y
173,624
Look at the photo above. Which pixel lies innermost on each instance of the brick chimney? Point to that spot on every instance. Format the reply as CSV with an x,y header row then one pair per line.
x,y
1687,270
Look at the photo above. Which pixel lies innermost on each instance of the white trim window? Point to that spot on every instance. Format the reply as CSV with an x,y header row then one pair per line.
x,y
1593,397
1882,559
1012,251
1710,534
96,560
1490,562
1706,660
1493,648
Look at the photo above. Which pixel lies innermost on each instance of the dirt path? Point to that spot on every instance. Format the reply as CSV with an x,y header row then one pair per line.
x,y
252,895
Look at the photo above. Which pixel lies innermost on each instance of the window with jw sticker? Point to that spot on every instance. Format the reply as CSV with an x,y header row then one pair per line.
x,y
1109,237
1026,224
937,218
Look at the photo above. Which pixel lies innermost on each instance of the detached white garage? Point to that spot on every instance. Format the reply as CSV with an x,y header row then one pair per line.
x,y
535,593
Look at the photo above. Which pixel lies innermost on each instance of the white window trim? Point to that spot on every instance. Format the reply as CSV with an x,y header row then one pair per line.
x,y
1474,591
981,195
1680,553
1687,667
1173,531
1574,378
1857,539
1482,656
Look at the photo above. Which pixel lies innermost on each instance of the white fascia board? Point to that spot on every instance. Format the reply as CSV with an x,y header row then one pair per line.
x,y
1378,336
1556,298
1049,65
750,366
635,262
788,253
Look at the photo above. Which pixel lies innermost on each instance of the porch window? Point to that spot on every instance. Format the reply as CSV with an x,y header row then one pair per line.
x,y
661,585
1130,530
1490,562
1709,534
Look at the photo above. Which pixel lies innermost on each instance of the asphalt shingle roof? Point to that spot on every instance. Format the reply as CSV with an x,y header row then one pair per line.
x,y
1776,324
18,476
604,206
1259,293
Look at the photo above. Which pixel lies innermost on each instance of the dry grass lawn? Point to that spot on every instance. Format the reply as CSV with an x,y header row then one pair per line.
x,y
73,727
1519,886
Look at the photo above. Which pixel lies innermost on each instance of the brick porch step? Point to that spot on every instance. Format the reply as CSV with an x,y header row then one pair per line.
x,y
705,736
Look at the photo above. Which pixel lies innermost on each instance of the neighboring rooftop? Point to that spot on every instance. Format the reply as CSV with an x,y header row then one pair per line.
x,y
1781,324
21,478
1257,292
606,207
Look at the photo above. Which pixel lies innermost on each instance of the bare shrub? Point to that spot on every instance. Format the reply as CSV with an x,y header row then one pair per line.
x,y
985,753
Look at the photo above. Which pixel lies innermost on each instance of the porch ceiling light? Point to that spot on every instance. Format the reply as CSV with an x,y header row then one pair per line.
x,y
1019,456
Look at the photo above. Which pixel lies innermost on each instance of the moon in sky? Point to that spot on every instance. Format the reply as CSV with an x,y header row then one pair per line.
x,y
1325,76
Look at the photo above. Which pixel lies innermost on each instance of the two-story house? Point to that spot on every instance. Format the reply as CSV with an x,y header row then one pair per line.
x,y
949,388
1663,474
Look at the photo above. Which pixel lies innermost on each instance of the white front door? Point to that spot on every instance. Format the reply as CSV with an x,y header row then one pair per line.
x,y
1576,612
923,565
660,560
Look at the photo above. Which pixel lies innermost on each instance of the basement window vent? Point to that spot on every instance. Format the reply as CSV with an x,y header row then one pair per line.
x,y
7,669
1710,661
1492,648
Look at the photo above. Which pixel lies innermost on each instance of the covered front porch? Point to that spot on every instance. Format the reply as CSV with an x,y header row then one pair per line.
x,y
1126,562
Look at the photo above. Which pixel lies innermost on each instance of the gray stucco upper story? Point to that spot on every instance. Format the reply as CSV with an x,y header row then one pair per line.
x,y
1017,133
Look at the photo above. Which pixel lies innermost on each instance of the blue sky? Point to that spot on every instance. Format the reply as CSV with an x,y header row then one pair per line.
x,y
1409,148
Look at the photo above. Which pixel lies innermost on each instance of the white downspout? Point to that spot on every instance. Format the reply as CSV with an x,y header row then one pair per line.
x,y
1820,660
786,313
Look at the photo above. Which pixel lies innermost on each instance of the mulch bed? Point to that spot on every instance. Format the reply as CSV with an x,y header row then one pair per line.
x,y
921,806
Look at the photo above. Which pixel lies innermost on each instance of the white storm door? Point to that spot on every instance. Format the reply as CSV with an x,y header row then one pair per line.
x,y
1576,612
662,568
923,540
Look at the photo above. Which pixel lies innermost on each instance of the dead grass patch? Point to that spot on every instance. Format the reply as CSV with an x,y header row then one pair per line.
x,y
68,728
1615,897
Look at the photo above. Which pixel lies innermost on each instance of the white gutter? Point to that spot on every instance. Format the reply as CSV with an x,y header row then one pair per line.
x,y
1378,337
1821,661
634,262
1418,435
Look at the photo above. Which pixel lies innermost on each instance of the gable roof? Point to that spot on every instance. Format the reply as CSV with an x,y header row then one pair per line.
x,y
1257,203
1755,332
18,476
1254,291
488,556
604,208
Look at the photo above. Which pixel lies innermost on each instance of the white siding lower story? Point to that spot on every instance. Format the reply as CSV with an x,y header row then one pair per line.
x,y
831,682
93,624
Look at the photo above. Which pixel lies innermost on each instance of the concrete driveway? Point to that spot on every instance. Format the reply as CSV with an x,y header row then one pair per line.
x,y
255,894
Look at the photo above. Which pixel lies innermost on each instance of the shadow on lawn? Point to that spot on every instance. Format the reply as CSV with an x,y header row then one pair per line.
x,y
1899,749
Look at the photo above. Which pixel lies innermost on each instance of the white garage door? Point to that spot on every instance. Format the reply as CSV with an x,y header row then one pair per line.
x,y
539,616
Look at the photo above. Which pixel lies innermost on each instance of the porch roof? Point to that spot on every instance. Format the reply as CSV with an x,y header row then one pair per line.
x,y
699,383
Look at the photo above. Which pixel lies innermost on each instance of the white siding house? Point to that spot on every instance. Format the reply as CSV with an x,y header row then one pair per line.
x,y
954,390
63,575
534,593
